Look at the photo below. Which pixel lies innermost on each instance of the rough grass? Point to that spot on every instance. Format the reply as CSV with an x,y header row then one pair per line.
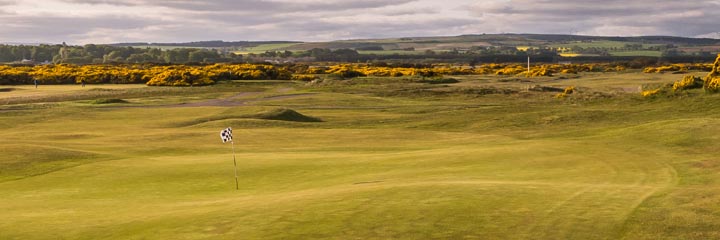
x,y
437,166
107,101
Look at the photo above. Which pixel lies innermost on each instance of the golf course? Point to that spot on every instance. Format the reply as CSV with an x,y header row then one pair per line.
x,y
482,157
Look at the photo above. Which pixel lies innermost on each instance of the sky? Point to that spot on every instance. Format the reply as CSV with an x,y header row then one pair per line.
x,y
105,21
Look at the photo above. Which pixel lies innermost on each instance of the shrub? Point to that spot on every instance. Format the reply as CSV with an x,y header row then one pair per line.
x,y
688,82
542,71
568,71
712,81
180,78
568,90
304,77
650,93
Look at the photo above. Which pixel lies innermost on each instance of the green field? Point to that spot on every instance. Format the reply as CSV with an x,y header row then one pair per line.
x,y
165,48
391,159
255,50
597,44
391,52
637,53
266,47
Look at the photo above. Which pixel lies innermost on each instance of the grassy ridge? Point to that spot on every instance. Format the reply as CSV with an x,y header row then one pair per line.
x,y
404,161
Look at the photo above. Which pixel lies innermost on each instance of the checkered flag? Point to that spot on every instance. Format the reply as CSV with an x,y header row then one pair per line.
x,y
226,135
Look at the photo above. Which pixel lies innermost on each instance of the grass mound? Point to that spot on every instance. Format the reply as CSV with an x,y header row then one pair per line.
x,y
7,89
238,114
108,101
284,114
17,164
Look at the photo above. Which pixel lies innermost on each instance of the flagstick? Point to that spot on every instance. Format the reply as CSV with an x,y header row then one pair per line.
x,y
237,187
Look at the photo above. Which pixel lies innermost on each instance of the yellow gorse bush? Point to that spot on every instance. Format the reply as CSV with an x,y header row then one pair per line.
x,y
187,75
679,68
688,82
304,77
650,93
174,75
712,81
568,90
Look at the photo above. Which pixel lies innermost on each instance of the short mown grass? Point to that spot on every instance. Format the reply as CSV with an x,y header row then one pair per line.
x,y
444,164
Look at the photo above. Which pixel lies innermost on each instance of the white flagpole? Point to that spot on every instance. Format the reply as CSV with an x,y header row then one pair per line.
x,y
528,72
237,186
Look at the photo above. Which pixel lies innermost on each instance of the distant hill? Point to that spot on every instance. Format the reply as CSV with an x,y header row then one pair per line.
x,y
492,39
477,48
205,44
566,45
643,39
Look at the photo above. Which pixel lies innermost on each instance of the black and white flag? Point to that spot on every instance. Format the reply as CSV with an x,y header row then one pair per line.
x,y
226,135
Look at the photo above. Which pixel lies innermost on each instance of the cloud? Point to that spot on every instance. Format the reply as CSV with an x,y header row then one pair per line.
x,y
105,21
3,4
58,29
108,2
255,5
611,17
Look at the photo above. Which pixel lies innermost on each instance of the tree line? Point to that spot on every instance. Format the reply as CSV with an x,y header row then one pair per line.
x,y
106,54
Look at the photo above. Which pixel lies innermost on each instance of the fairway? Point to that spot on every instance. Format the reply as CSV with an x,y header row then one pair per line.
x,y
386,159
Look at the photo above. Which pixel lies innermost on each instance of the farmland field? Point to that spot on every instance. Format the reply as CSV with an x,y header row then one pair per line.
x,y
367,158
647,53
390,52
266,47
597,44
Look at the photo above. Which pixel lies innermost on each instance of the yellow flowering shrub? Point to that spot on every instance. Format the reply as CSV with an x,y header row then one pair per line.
x,y
679,67
188,75
304,77
173,75
688,82
650,93
192,77
568,90
712,81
